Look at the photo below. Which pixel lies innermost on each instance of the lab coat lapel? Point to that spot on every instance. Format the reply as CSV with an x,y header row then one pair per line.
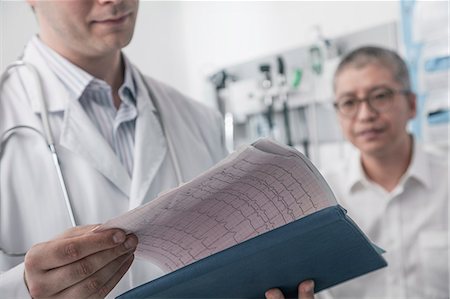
x,y
150,145
80,136
181,130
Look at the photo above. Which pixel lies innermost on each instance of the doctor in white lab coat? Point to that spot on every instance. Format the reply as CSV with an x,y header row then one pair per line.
x,y
32,208
174,140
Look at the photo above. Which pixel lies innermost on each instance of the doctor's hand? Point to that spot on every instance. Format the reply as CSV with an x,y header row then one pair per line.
x,y
305,291
79,264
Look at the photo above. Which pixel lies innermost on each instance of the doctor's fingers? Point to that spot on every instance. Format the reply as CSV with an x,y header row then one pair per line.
x,y
306,290
60,252
98,285
102,282
57,279
77,231
110,284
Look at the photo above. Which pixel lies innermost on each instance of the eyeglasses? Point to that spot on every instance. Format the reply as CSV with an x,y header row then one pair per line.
x,y
379,100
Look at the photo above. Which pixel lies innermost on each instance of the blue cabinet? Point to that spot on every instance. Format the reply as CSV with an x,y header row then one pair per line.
x,y
425,30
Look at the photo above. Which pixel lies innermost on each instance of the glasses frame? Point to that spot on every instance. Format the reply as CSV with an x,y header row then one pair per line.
x,y
367,99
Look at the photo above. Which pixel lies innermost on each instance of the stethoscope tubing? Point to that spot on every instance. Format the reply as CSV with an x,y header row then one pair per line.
x,y
47,130
48,136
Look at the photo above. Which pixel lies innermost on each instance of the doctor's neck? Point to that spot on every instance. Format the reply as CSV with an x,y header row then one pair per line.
x,y
108,67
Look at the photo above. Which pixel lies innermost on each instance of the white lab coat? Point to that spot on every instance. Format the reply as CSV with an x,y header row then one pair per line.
x,y
32,209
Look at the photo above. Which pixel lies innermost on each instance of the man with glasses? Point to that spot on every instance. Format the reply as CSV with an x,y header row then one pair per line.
x,y
394,190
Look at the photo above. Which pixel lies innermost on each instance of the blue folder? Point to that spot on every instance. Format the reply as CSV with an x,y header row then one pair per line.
x,y
326,246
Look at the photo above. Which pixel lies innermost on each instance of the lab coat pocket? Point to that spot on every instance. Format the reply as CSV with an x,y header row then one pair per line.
x,y
434,255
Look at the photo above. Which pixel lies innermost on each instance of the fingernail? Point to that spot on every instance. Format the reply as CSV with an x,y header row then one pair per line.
x,y
119,237
130,243
309,286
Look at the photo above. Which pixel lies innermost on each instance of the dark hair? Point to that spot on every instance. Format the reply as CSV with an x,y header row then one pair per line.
x,y
363,56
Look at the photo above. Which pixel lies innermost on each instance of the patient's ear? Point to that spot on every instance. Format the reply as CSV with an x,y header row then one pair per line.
x,y
412,105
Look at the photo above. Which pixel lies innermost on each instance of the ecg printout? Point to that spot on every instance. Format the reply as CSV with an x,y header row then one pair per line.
x,y
249,193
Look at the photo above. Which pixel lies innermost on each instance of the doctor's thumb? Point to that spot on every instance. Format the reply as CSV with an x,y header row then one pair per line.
x,y
306,290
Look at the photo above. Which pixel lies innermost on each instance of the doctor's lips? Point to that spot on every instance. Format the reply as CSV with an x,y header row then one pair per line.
x,y
116,20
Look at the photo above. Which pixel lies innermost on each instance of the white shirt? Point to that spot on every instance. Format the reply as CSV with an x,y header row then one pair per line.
x,y
410,223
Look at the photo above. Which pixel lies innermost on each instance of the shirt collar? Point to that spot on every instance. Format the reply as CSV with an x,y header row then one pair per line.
x,y
75,79
143,92
128,88
355,173
418,169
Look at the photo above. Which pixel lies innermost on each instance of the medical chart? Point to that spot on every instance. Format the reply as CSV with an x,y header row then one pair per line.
x,y
253,191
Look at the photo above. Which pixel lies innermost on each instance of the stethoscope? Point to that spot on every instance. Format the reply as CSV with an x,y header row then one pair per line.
x,y
48,136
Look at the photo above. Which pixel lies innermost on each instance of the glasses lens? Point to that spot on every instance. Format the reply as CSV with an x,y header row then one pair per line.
x,y
347,106
381,100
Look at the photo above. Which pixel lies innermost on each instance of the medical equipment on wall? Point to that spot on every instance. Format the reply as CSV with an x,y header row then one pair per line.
x,y
220,80
322,50
48,137
283,97
266,85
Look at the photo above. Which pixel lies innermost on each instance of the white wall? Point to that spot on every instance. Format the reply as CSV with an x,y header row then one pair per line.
x,y
181,42
157,47
17,24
